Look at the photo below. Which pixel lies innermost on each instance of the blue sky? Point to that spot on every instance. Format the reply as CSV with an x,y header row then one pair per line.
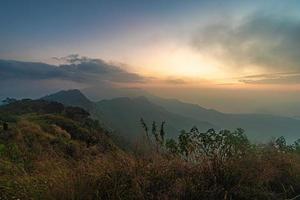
x,y
39,29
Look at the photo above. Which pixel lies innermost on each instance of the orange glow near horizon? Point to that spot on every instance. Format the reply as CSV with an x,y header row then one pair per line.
x,y
169,62
168,59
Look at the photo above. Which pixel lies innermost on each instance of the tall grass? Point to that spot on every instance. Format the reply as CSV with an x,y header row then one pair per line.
x,y
39,163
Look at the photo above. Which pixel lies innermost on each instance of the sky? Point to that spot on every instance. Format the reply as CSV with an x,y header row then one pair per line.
x,y
235,56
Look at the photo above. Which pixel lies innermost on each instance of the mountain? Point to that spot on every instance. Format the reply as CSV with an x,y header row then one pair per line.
x,y
258,126
125,113
107,91
75,98
187,109
71,98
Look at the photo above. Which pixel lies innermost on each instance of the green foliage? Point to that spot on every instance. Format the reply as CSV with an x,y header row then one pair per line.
x,y
14,153
172,146
280,143
154,131
2,149
184,142
5,117
162,132
145,127
5,126
211,144
76,113
296,146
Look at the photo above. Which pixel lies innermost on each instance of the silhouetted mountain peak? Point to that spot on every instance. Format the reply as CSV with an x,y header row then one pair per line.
x,y
70,97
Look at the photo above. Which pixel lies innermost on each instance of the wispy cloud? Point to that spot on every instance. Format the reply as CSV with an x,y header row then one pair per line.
x,y
273,78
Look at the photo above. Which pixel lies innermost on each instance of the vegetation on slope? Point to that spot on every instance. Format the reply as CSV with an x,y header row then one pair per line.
x,y
49,151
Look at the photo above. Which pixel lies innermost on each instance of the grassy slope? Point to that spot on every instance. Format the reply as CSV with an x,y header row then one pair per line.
x,y
42,148
54,152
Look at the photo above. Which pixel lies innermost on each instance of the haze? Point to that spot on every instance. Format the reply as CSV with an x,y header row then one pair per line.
x,y
233,56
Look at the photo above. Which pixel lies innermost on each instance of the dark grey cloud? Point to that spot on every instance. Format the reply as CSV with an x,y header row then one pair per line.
x,y
74,59
267,41
75,68
10,69
29,79
90,69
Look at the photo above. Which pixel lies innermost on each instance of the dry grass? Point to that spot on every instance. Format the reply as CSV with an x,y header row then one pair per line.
x,y
48,164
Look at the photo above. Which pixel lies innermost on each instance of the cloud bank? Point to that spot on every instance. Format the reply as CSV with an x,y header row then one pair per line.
x,y
273,78
269,42
76,69
31,79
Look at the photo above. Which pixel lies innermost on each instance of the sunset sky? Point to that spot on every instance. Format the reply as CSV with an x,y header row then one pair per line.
x,y
244,52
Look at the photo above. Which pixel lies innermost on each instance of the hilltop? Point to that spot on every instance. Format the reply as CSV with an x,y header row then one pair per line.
x,y
71,98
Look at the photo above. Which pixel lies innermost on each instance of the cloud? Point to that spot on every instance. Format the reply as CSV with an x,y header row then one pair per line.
x,y
75,68
74,59
28,70
32,79
92,70
266,41
175,81
275,78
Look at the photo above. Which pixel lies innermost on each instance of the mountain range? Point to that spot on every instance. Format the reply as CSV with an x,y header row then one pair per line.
x,y
123,114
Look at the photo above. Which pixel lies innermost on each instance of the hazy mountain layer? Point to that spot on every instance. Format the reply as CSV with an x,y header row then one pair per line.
x,y
123,115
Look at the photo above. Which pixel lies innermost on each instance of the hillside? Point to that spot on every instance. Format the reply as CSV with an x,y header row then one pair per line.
x,y
50,151
123,115
49,117
40,141
258,126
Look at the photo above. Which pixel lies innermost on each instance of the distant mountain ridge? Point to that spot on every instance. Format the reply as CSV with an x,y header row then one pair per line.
x,y
123,114
131,110
258,126
71,98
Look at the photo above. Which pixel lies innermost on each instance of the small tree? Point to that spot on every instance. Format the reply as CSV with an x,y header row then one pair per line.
x,y
184,143
159,137
5,126
297,146
172,146
154,132
145,127
162,133
8,100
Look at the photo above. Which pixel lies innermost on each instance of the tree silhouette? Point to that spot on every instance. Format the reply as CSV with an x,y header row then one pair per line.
x,y
145,127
